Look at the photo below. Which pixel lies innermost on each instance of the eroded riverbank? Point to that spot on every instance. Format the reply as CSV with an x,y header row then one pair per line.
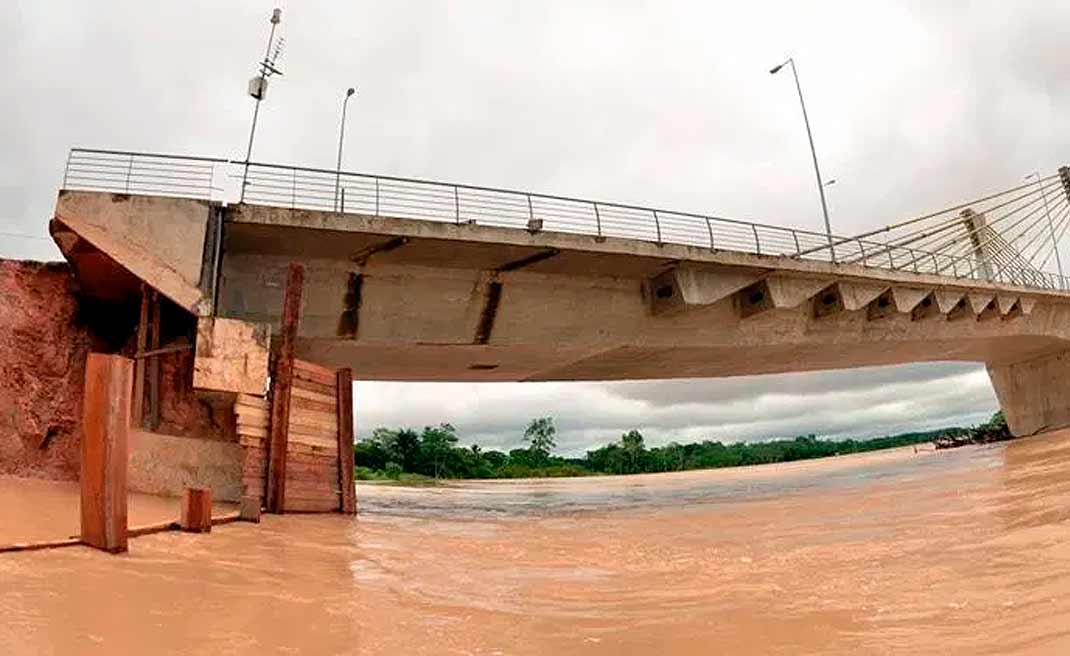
x,y
964,551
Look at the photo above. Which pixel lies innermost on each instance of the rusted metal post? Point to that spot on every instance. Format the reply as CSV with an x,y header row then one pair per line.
x,y
281,387
105,427
345,441
196,510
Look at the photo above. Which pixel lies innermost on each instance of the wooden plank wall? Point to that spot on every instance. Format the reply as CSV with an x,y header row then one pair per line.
x,y
312,448
312,474
253,414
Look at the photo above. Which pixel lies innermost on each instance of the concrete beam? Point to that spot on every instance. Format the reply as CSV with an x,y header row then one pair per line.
x,y
960,311
990,311
685,287
858,295
979,301
1014,312
1005,303
926,308
947,300
847,296
881,307
908,298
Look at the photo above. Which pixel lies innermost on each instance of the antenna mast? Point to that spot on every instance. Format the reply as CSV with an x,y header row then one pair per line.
x,y
259,84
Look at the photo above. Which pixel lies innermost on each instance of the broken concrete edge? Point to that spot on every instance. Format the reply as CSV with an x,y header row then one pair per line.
x,y
141,265
231,356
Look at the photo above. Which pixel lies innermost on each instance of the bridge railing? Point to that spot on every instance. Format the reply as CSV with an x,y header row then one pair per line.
x,y
407,198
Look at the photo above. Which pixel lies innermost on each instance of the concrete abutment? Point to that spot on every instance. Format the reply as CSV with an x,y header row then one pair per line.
x,y
1033,393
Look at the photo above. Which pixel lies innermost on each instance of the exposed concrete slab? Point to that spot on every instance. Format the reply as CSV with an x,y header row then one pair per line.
x,y
166,465
231,356
158,240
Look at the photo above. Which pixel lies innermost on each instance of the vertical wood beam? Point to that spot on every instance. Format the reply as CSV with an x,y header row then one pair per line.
x,y
345,441
281,386
196,510
105,427
154,364
137,417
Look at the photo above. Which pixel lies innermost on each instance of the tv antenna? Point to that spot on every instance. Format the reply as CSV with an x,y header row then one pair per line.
x,y
258,85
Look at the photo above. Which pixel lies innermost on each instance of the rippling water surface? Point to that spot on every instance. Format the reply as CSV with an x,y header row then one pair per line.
x,y
958,552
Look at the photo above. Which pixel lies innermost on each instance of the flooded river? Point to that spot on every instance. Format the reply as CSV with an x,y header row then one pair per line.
x,y
957,552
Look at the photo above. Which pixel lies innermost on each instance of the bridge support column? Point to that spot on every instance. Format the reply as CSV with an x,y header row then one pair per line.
x,y
1033,393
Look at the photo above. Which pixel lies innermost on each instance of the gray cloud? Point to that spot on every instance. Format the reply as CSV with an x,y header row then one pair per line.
x,y
914,105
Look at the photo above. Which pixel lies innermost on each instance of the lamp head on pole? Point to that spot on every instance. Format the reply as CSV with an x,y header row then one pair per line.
x,y
276,16
350,91
776,69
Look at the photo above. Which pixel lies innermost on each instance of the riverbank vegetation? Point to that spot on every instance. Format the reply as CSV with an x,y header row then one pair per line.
x,y
410,456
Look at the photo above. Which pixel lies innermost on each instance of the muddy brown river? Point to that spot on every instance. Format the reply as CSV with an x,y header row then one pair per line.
x,y
955,552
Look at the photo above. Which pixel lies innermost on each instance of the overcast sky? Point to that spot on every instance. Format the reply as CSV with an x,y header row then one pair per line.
x,y
914,106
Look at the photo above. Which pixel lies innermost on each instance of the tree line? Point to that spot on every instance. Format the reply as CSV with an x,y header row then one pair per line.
x,y
404,453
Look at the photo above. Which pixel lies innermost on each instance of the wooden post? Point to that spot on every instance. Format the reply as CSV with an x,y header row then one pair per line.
x,y
154,365
196,510
250,509
138,408
282,383
105,426
345,441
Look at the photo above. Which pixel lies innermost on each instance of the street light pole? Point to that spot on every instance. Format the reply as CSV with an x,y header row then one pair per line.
x,y
813,151
1051,227
341,136
267,67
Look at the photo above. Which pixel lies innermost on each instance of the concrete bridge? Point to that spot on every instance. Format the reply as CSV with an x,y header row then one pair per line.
x,y
418,281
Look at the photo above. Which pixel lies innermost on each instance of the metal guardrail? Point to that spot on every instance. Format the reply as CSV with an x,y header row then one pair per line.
x,y
406,198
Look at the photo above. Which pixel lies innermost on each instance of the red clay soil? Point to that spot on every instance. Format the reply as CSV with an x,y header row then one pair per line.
x,y
46,332
43,347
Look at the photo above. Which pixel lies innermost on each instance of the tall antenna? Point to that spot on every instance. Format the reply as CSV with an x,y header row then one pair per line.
x,y
259,84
